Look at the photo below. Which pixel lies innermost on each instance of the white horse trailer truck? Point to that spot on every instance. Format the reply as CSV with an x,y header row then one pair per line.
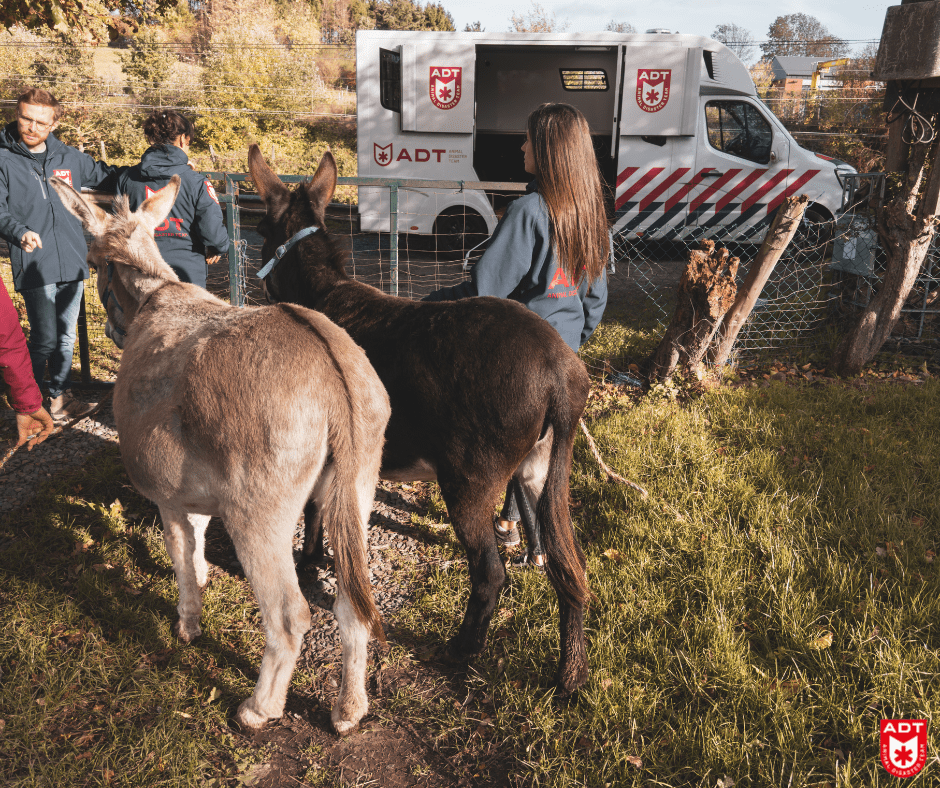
x,y
682,139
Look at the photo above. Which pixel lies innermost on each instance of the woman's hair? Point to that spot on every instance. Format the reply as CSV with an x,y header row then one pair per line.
x,y
570,183
164,126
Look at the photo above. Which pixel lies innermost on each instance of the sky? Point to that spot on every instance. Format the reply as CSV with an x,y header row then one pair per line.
x,y
847,19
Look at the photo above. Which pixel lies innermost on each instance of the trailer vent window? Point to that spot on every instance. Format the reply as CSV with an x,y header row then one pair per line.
x,y
583,79
390,79
709,63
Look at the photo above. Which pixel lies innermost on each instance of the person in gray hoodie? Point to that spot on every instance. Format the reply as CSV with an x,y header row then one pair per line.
x,y
47,245
194,233
549,252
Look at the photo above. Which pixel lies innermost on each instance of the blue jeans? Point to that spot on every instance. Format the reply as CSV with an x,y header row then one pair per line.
x,y
53,316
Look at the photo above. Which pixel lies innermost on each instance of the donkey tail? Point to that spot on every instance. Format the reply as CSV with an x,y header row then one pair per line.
x,y
354,421
342,519
566,563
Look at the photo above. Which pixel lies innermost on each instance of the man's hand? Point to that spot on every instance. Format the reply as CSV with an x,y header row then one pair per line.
x,y
214,259
38,423
30,241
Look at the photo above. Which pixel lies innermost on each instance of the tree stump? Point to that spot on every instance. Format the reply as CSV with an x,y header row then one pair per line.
x,y
706,291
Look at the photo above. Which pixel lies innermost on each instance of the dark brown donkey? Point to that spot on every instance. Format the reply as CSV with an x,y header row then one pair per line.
x,y
481,390
215,418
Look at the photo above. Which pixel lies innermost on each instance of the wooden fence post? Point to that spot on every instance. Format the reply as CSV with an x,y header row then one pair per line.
x,y
778,238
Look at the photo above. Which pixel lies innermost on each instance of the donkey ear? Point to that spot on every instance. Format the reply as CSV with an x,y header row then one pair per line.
x,y
155,208
269,186
321,186
90,215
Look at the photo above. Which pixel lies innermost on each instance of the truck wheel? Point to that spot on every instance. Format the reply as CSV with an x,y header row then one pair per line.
x,y
459,229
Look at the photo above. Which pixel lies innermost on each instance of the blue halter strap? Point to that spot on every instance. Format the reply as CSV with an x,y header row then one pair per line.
x,y
284,249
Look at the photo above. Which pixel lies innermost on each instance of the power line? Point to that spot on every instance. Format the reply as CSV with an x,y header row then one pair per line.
x,y
349,48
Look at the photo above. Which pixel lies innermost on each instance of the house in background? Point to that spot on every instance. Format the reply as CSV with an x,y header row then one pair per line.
x,y
794,74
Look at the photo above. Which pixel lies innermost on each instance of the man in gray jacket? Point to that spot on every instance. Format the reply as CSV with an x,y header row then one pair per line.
x,y
47,246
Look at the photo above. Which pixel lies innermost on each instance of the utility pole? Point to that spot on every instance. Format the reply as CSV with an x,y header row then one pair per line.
x,y
909,62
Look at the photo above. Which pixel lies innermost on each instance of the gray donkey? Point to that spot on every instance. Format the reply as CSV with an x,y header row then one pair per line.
x,y
242,414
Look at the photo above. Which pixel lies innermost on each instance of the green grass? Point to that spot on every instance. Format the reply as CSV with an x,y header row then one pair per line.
x,y
92,682
756,617
773,599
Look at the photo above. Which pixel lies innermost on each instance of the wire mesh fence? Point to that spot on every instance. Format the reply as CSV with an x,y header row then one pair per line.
x,y
858,263
804,291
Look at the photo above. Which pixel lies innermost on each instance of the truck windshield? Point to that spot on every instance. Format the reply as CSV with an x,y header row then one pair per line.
x,y
738,128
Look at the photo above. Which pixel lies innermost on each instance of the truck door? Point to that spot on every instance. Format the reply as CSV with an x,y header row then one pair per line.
x,y
742,164
656,142
438,79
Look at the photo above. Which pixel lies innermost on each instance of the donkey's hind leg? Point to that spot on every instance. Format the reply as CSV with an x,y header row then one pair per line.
x,y
185,537
265,552
312,553
471,511
352,703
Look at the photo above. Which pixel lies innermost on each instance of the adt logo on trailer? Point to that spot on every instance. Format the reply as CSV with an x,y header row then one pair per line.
x,y
382,154
445,86
903,746
652,88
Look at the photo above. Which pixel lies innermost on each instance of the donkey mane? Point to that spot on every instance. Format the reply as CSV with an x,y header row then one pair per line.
x,y
116,244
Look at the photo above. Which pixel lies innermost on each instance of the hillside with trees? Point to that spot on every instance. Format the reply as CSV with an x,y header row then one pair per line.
x,y
277,72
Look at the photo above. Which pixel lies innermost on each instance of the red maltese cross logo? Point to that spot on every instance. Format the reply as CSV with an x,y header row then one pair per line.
x,y
382,154
903,746
445,86
652,88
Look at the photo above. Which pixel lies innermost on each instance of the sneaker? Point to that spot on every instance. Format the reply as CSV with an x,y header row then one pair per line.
x,y
66,407
527,561
506,536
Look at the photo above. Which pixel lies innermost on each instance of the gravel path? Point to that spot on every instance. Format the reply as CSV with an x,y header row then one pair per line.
x,y
70,448
399,554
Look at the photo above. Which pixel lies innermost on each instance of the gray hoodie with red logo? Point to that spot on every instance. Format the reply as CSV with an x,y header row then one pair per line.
x,y
519,264
194,229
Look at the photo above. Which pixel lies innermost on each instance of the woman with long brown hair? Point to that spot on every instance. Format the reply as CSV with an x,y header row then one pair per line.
x,y
548,252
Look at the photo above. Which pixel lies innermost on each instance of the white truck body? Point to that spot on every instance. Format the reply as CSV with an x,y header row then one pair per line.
x,y
685,144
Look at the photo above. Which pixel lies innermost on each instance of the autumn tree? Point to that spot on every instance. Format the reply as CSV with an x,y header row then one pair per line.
x,y
537,20
409,15
473,27
619,27
802,35
147,64
738,40
88,20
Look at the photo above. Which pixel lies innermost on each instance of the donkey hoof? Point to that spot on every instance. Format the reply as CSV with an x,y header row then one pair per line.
x,y
456,652
187,632
345,727
564,700
568,688
248,718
